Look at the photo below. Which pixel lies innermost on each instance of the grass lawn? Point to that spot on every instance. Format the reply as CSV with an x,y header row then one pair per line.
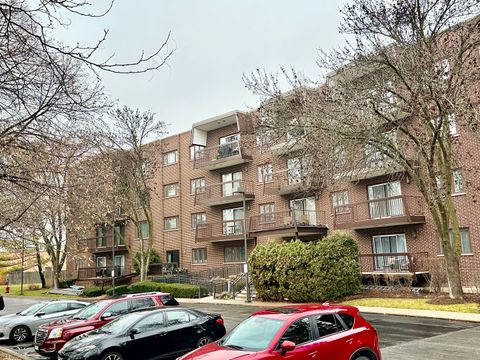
x,y
419,304
15,291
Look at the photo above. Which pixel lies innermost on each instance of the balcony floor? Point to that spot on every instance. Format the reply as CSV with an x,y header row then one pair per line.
x,y
225,200
379,223
223,162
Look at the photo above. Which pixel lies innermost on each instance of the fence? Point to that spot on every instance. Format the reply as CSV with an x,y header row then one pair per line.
x,y
32,277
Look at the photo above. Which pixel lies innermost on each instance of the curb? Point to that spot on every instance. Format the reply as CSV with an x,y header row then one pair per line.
x,y
13,353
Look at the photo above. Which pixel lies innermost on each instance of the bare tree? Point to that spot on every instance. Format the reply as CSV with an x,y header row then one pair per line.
x,y
393,98
135,151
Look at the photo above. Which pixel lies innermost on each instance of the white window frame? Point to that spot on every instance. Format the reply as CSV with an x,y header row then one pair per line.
x,y
167,224
167,188
194,186
196,216
265,173
458,183
200,256
195,151
340,203
167,157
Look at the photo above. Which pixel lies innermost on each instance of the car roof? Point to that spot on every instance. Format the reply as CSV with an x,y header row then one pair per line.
x,y
298,311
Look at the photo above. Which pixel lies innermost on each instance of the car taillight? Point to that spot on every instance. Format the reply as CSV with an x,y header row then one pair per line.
x,y
220,321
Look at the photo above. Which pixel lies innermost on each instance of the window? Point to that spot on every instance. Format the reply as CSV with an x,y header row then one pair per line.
x,y
199,256
232,221
101,262
143,230
442,68
177,317
170,223
340,202
152,322
327,324
118,308
55,308
196,151
119,234
198,219
373,156
390,244
229,146
299,332
231,182
76,306
385,200
295,131
170,157
234,254
267,213
229,139
347,319
197,185
465,240
142,199
142,303
173,256
171,190
457,182
101,238
297,170
265,173
79,264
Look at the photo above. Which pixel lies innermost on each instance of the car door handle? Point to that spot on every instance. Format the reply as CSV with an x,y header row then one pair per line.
x,y
349,341
162,333
312,354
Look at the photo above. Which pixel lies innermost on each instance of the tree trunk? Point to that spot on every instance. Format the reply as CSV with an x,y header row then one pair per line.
x,y
452,263
40,267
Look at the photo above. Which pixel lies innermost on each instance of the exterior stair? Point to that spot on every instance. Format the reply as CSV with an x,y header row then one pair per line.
x,y
242,295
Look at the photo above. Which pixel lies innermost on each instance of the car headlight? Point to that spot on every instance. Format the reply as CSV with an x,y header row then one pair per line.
x,y
56,333
86,349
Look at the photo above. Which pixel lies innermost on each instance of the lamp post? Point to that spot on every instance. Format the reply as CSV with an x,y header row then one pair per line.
x,y
241,190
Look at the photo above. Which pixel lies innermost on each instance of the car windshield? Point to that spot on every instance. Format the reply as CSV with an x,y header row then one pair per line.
x,y
121,324
32,309
253,334
90,311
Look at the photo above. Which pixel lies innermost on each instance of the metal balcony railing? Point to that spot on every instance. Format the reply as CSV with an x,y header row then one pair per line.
x,y
221,156
103,244
284,182
287,219
393,262
220,231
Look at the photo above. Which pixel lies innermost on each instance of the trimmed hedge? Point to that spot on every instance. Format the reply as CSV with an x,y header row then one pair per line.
x,y
93,291
301,272
176,290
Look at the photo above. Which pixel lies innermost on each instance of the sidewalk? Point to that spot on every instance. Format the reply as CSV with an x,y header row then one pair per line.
x,y
446,315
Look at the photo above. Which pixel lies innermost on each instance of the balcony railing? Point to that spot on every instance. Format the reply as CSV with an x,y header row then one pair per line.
x,y
296,220
391,211
100,272
220,231
224,193
99,245
221,156
284,182
393,263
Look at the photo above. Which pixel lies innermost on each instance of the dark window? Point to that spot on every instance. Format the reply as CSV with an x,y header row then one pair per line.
x,y
177,317
76,306
348,320
299,332
55,308
151,322
327,325
142,303
119,308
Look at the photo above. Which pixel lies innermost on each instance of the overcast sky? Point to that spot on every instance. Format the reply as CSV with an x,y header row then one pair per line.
x,y
215,42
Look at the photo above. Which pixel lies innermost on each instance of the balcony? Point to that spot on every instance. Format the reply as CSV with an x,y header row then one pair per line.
x,y
221,156
391,211
103,245
393,263
228,230
224,193
289,223
101,273
284,182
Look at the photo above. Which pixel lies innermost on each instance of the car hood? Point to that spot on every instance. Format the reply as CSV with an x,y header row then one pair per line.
x,y
90,338
215,352
67,323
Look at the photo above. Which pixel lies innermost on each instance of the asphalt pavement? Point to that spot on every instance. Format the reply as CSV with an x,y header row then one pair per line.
x,y
401,337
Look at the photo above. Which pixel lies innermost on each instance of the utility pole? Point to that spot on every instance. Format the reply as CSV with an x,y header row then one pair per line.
x,y
114,268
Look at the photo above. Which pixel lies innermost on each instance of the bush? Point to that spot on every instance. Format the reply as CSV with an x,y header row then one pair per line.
x,y
66,283
316,271
93,291
154,259
119,290
176,290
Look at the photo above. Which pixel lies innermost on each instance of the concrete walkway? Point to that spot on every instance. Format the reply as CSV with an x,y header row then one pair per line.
x,y
446,315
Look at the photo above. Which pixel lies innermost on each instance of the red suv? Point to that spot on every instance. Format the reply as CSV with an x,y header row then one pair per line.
x,y
51,337
297,333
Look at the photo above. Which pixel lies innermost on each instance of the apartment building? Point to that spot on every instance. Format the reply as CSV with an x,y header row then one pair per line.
x,y
208,172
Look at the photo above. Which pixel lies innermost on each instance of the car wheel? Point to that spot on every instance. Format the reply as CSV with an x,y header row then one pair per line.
x,y
20,334
112,355
204,340
362,357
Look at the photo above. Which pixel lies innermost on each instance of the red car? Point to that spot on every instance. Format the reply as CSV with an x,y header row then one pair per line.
x,y
51,337
297,332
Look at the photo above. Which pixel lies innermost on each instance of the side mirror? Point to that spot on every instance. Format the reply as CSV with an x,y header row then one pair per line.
x,y
287,346
40,314
133,332
106,315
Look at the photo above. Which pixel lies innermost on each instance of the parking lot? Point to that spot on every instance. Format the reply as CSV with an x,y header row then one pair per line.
x,y
399,335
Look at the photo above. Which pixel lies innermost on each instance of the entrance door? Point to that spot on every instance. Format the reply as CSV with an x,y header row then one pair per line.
x,y
381,204
232,221
385,244
102,266
231,182
120,265
303,211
